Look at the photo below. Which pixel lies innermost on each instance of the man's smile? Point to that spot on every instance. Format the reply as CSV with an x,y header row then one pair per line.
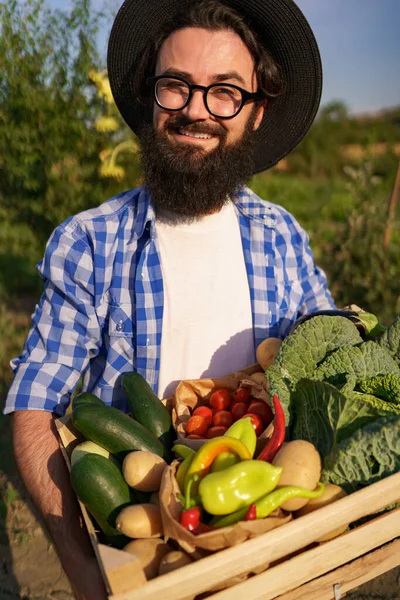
x,y
190,134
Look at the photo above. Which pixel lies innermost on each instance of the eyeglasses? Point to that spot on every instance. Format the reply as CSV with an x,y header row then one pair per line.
x,y
221,100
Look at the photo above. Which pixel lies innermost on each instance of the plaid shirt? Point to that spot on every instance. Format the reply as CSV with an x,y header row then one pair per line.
x,y
102,307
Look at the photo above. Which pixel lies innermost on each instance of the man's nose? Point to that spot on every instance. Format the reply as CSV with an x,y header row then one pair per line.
x,y
196,109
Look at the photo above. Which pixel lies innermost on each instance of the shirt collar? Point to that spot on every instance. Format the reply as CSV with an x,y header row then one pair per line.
x,y
252,207
145,216
246,202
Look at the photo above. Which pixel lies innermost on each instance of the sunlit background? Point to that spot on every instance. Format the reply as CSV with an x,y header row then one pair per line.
x,y
359,41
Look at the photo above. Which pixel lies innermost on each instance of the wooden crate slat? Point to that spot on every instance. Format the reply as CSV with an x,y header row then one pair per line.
x,y
280,542
124,571
295,572
350,576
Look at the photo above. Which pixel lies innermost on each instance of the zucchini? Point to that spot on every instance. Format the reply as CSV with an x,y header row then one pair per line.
x,y
88,447
115,431
86,398
100,486
147,408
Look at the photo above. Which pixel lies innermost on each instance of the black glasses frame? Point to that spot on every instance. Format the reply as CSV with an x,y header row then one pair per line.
x,y
246,96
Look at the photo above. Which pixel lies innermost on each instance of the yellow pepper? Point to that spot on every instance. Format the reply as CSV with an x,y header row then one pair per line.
x,y
203,458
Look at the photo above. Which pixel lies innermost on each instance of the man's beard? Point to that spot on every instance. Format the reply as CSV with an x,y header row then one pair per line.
x,y
185,181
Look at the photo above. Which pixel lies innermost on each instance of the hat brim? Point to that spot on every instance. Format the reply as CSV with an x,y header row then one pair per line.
x,y
283,29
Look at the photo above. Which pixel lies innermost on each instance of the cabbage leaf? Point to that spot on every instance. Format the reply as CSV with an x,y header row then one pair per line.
x,y
329,419
364,361
390,339
303,350
372,453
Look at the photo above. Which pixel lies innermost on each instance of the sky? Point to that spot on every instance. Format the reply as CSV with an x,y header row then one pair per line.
x,y
359,42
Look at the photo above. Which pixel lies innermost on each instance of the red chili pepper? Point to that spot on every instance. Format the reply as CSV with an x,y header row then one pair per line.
x,y
251,514
278,435
190,517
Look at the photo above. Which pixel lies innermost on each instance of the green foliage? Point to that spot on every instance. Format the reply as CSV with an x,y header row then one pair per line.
x,y
49,146
364,271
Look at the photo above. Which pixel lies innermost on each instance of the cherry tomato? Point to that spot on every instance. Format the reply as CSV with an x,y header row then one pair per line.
x,y
216,431
222,417
197,425
238,410
203,411
257,423
258,407
193,436
220,399
241,395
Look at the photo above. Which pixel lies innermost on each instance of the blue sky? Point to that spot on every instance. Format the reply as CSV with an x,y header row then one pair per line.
x,y
359,41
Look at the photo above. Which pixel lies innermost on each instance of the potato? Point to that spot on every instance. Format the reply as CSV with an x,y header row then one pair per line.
x,y
173,560
330,494
150,552
301,466
140,521
143,470
267,351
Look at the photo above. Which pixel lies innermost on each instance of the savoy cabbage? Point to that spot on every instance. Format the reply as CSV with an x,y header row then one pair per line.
x,y
371,453
303,350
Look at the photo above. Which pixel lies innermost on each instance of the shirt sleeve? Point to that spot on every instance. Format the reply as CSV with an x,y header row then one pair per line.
x,y
313,279
65,332
309,288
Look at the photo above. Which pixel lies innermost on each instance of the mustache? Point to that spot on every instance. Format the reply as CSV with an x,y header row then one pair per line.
x,y
178,121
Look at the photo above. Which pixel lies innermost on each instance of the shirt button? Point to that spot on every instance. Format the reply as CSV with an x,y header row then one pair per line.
x,y
120,326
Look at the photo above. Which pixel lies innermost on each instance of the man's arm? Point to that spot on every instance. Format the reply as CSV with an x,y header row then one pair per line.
x,y
46,477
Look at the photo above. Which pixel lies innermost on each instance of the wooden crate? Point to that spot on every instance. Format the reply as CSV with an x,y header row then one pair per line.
x,y
300,570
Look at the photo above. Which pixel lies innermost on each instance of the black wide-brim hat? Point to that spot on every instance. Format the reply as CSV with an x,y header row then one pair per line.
x,y
280,25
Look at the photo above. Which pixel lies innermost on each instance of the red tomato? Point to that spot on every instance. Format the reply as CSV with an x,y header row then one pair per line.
x,y
258,407
257,423
220,399
238,410
222,417
203,411
241,395
193,436
197,425
216,431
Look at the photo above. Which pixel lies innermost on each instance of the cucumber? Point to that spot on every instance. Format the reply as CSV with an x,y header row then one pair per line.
x,y
86,398
147,408
89,447
115,431
100,486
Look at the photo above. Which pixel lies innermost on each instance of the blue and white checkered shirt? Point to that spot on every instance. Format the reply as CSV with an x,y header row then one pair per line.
x,y
102,307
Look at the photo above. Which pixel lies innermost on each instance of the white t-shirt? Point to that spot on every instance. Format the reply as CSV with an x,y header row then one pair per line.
x,y
207,322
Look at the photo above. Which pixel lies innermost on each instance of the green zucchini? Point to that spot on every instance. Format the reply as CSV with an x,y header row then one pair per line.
x,y
147,408
115,431
86,398
89,447
100,486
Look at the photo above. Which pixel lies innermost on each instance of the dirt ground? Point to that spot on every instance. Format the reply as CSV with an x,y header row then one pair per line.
x,y
30,569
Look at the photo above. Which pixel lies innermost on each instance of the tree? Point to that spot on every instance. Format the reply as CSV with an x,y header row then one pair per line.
x,y
49,146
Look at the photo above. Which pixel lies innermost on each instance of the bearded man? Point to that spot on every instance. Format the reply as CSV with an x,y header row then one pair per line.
x,y
181,278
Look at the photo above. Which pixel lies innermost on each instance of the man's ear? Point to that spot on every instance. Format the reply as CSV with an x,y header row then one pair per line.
x,y
260,113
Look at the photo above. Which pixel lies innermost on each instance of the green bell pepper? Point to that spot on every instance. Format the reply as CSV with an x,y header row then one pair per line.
x,y
268,503
237,486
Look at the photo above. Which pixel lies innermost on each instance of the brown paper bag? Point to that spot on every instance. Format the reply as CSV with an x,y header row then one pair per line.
x,y
198,546
196,392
